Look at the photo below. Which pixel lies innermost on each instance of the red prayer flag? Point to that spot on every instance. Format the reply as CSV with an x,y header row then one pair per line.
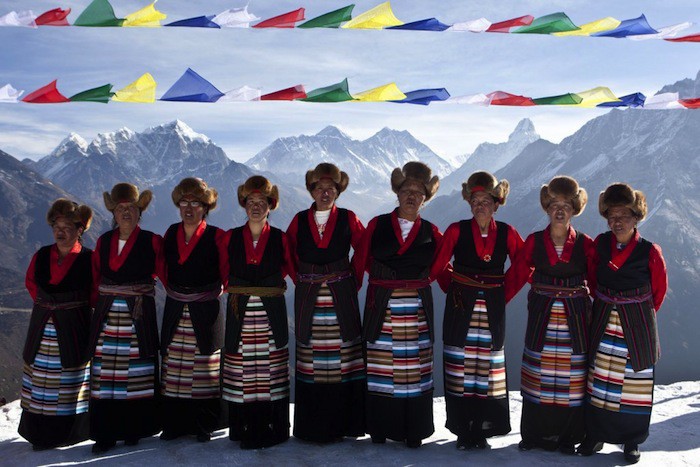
x,y
691,38
289,94
693,103
55,17
287,20
504,98
504,26
46,95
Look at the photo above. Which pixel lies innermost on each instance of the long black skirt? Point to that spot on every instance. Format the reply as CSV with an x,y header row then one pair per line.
x,y
259,424
473,418
326,412
550,427
400,418
48,431
192,416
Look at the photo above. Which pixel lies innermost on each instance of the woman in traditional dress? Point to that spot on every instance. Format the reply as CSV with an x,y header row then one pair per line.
x,y
631,286
554,366
398,249
330,374
256,360
193,268
56,381
124,334
476,393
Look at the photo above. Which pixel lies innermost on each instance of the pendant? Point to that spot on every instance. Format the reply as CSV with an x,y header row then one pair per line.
x,y
487,258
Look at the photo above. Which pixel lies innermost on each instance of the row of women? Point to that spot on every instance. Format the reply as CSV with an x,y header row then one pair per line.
x,y
587,368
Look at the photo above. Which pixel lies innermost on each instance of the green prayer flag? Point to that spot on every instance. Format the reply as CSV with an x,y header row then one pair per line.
x,y
98,14
330,20
556,22
334,93
101,94
564,99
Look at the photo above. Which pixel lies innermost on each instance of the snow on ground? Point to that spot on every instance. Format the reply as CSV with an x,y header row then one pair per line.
x,y
674,440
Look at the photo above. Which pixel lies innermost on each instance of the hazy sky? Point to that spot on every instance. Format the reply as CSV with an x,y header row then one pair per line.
x,y
464,63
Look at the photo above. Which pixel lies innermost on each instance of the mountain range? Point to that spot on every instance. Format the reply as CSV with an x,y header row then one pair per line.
x,y
655,151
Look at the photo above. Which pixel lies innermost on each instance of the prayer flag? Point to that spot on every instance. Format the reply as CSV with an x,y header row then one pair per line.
x,y
631,100
9,95
286,20
588,29
45,95
192,88
22,19
235,18
101,94
143,90
430,24
424,96
379,17
289,94
330,20
55,17
98,14
147,17
504,98
388,92
629,27
556,22
504,26
334,93
197,22
241,94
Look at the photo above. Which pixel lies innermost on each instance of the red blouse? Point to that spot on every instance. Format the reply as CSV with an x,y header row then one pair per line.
x,y
356,231
185,249
523,267
442,269
657,266
363,254
58,270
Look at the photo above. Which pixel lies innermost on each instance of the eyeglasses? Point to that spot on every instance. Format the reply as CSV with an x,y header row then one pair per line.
x,y
329,190
414,193
184,203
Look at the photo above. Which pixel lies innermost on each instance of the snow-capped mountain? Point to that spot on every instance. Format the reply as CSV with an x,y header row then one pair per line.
x,y
655,151
368,163
491,157
157,159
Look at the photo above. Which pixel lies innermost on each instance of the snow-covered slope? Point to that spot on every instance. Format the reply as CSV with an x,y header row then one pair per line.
x,y
673,441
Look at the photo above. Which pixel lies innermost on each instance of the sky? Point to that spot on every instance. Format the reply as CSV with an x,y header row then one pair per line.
x,y
464,63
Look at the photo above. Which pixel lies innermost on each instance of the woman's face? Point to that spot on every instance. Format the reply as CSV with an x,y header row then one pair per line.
x,y
483,206
560,212
191,210
257,207
324,193
622,222
411,196
126,215
65,233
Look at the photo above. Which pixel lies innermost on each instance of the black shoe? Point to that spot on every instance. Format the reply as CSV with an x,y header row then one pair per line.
x,y
481,443
567,448
378,439
414,443
525,445
588,448
131,442
463,443
203,437
168,436
102,446
40,447
632,453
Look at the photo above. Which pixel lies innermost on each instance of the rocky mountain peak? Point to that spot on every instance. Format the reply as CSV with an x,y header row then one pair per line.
x,y
332,132
524,130
71,142
686,88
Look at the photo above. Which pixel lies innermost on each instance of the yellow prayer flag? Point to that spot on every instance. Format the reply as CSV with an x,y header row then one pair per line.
x,y
143,90
388,92
605,24
596,96
147,17
378,17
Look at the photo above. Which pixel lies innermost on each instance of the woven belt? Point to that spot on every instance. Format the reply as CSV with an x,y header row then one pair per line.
x,y
556,291
481,281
